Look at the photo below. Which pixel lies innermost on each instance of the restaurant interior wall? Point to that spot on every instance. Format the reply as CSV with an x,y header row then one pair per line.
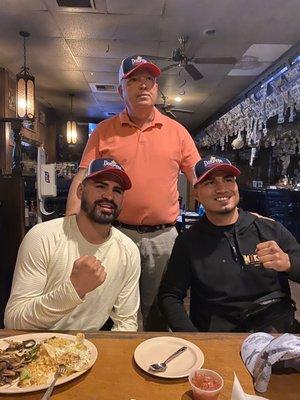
x,y
14,190
268,162
41,131
272,199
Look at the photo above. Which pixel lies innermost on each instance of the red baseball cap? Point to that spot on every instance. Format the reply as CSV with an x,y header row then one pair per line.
x,y
137,63
108,166
209,164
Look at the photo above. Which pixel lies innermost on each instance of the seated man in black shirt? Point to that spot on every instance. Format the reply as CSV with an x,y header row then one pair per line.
x,y
236,265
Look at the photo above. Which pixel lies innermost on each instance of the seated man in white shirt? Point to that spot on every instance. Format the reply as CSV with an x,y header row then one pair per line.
x,y
73,273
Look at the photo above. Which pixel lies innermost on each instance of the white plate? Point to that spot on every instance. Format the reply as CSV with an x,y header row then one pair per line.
x,y
159,348
39,337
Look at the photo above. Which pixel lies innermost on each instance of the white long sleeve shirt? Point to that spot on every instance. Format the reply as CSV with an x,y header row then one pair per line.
x,y
42,295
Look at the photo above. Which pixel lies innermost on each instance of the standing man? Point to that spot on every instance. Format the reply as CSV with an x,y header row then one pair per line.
x,y
153,149
73,273
236,265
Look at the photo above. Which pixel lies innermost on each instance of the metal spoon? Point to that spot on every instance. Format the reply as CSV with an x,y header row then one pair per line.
x,y
162,366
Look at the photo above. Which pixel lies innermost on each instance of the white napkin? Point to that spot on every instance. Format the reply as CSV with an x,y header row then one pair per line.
x,y
260,351
239,394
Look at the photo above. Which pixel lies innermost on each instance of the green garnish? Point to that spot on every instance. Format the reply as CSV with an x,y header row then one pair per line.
x,y
24,374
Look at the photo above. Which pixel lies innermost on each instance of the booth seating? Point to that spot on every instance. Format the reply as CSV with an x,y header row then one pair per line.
x,y
282,205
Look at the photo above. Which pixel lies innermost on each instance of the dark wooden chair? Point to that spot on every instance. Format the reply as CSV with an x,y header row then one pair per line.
x,y
11,232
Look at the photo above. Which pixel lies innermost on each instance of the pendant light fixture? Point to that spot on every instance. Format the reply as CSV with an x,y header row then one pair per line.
x,y
71,125
25,88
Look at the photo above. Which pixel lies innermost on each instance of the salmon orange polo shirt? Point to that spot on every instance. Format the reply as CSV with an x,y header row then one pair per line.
x,y
152,157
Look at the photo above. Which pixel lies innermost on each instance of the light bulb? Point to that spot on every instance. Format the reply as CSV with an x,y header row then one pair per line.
x,y
178,99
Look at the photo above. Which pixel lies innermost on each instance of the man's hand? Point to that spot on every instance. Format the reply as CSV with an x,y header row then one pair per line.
x,y
87,274
271,256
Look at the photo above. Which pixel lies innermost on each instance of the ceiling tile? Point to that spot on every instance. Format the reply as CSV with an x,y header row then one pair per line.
x,y
153,7
98,64
203,9
95,26
54,47
45,58
259,21
102,77
87,26
111,49
37,23
29,5
64,81
246,21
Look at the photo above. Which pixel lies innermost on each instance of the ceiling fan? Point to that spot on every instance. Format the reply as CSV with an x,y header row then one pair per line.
x,y
169,109
182,60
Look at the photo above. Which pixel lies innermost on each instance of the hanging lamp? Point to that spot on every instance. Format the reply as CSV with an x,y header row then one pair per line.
x,y
25,88
71,125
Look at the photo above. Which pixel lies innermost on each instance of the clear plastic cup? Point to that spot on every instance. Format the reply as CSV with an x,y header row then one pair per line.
x,y
206,384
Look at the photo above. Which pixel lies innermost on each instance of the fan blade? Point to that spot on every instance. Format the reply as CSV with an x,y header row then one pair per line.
x,y
168,67
214,60
181,110
168,112
195,74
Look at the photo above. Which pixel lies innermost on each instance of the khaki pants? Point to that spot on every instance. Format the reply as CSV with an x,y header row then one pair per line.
x,y
155,249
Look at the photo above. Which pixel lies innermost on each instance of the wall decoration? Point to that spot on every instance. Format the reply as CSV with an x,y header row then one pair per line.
x,y
279,97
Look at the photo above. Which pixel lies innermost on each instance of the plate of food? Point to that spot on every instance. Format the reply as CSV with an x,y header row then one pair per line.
x,y
28,362
159,348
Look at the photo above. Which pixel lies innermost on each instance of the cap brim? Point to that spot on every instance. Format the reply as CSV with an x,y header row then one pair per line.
x,y
146,66
231,169
123,178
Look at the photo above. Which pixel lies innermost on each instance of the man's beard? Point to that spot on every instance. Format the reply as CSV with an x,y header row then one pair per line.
x,y
226,210
96,214
230,208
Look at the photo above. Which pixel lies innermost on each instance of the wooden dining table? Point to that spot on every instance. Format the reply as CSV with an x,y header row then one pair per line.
x,y
116,376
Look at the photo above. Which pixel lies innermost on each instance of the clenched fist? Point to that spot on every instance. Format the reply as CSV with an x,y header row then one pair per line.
x,y
87,274
271,256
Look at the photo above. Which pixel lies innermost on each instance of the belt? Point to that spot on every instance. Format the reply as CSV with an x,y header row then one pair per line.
x,y
142,228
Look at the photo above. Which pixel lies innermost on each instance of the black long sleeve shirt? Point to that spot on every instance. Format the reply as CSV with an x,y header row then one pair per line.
x,y
210,260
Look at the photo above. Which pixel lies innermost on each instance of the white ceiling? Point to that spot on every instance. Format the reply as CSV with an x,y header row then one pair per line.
x,y
69,49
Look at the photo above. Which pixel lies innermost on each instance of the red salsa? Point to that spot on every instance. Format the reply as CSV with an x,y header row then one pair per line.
x,y
205,381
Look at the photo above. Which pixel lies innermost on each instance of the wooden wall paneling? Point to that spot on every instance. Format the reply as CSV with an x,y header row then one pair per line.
x,y
2,125
2,148
7,110
47,127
